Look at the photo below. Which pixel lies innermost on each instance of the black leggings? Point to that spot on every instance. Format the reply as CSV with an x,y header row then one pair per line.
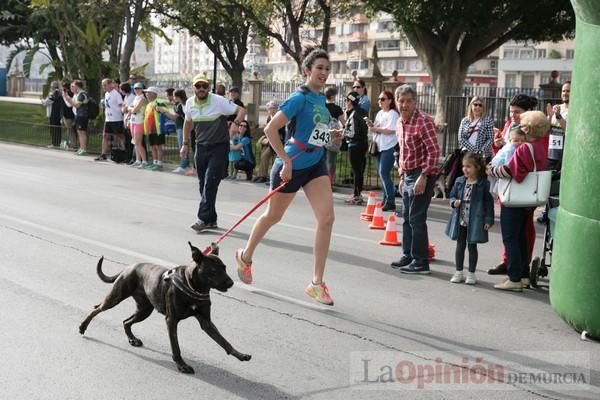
x,y
461,243
358,162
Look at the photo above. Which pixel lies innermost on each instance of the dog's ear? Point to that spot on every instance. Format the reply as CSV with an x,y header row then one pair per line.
x,y
197,255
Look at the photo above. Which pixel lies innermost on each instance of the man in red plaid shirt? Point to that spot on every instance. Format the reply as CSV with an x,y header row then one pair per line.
x,y
418,169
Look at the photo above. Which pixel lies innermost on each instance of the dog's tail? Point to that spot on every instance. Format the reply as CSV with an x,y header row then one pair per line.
x,y
105,278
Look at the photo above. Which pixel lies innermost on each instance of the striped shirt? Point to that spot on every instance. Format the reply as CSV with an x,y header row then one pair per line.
x,y
419,147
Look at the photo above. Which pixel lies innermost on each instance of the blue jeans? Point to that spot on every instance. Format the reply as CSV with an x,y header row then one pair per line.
x,y
210,163
512,222
186,161
385,160
415,241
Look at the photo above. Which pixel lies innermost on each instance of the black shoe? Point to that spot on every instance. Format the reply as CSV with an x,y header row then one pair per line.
x,y
403,262
101,157
388,207
201,226
416,268
499,269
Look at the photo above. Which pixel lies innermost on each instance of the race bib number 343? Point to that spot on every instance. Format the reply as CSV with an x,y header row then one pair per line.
x,y
320,135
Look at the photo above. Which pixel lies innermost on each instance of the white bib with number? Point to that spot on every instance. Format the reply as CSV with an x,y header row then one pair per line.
x,y
556,142
320,135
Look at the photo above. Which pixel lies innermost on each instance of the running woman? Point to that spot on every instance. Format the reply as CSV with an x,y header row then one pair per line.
x,y
307,171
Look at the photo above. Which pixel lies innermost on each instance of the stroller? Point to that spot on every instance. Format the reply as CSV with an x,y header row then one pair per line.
x,y
539,266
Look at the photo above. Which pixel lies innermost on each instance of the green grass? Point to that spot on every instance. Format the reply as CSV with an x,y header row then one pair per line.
x,y
30,113
28,124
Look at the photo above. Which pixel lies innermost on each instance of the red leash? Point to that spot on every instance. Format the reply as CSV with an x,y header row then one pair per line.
x,y
208,250
214,245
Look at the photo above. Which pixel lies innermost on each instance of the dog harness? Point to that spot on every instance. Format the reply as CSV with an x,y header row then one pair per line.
x,y
183,286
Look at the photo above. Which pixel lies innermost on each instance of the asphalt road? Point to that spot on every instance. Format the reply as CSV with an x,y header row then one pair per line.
x,y
59,213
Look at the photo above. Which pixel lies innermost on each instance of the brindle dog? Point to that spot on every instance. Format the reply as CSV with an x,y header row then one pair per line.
x,y
177,293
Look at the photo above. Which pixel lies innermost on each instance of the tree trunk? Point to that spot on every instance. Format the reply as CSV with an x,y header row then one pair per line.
x,y
132,24
448,79
236,71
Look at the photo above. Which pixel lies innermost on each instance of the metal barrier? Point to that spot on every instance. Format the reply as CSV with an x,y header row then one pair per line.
x,y
39,135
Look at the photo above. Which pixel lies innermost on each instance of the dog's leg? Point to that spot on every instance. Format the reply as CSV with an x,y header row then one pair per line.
x,y
176,352
212,331
143,311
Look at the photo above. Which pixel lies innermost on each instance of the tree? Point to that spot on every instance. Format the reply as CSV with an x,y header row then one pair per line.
x,y
220,24
449,35
282,21
136,14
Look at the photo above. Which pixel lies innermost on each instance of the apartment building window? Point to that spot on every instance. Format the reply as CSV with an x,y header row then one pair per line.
x,y
356,46
526,53
385,26
407,45
341,47
540,53
509,53
510,80
527,81
387,44
545,77
570,53
330,48
415,65
565,76
401,65
493,65
389,65
359,28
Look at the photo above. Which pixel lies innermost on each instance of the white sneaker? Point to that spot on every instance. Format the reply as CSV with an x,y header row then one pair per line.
x,y
471,279
179,170
458,277
136,164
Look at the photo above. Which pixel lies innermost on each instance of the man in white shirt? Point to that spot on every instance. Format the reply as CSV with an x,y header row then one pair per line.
x,y
206,118
113,117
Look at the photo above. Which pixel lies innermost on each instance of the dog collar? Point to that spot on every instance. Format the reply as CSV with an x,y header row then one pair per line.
x,y
183,286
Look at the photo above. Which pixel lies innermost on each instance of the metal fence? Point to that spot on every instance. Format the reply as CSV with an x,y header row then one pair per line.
x,y
496,107
39,135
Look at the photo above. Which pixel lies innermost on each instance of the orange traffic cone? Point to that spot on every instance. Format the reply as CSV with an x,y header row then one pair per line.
x,y
378,222
431,252
390,237
367,215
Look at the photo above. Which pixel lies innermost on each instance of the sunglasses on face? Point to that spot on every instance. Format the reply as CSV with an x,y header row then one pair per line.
x,y
477,105
382,99
201,85
356,87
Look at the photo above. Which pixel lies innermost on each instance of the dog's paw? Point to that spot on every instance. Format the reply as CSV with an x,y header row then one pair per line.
x,y
135,342
186,369
243,357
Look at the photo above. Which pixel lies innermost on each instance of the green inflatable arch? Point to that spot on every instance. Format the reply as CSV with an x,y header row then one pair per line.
x,y
575,281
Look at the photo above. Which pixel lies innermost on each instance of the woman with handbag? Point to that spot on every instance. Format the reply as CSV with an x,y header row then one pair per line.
x,y
384,141
519,104
529,157
356,133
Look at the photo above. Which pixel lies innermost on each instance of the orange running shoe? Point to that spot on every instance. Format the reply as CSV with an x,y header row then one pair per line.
x,y
320,293
244,269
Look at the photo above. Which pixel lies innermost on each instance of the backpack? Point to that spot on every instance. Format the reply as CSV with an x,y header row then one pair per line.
x,y
93,109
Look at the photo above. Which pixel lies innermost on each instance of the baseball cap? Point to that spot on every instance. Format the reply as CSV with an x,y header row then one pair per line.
x,y
138,85
200,78
234,89
353,97
152,89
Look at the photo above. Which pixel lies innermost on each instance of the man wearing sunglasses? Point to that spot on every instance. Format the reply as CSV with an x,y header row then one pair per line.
x,y
206,117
